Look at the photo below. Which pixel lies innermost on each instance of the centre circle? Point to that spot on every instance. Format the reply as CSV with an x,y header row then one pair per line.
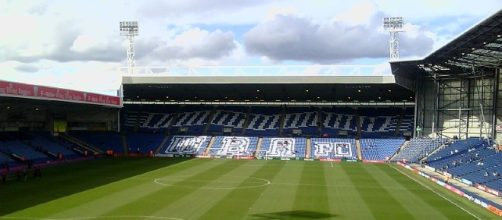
x,y
233,182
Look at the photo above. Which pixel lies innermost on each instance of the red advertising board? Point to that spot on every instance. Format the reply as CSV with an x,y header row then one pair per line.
x,y
51,93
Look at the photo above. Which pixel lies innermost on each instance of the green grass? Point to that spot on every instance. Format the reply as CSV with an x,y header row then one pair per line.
x,y
145,188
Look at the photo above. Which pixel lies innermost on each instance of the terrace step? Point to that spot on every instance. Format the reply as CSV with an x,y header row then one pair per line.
x,y
211,142
358,150
258,145
80,143
405,145
308,148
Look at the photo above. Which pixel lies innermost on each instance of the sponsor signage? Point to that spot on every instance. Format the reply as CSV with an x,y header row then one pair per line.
x,y
466,182
22,90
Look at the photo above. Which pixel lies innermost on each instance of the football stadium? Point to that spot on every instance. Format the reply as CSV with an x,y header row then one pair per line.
x,y
264,142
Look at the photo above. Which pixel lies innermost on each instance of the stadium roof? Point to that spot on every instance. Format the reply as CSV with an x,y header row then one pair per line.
x,y
478,47
264,89
257,80
45,93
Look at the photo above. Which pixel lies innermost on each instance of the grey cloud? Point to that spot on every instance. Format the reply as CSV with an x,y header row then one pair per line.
x,y
295,38
27,68
215,45
61,50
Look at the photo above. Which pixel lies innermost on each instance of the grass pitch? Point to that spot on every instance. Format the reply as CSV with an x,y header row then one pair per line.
x,y
146,188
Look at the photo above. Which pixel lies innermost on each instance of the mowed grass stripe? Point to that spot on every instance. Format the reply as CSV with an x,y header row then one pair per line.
x,y
418,207
148,203
200,201
132,189
71,181
311,199
237,203
345,201
377,199
283,186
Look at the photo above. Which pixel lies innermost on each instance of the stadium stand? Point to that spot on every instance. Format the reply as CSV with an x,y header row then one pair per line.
x,y
102,140
51,146
333,148
379,149
232,118
184,145
263,121
22,151
283,148
143,142
456,148
5,159
334,120
191,120
472,160
302,119
417,149
271,121
234,146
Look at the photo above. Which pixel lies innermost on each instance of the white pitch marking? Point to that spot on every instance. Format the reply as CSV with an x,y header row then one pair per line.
x,y
432,190
265,182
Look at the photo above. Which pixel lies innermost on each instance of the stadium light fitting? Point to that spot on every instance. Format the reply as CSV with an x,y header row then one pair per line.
x,y
130,30
306,90
393,25
359,90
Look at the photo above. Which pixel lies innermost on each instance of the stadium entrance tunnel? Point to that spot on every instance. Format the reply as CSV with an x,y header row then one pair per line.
x,y
296,214
69,179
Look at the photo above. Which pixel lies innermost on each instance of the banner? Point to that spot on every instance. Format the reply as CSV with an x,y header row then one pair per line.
x,y
22,90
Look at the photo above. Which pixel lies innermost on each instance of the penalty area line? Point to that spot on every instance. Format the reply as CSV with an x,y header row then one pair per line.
x,y
435,192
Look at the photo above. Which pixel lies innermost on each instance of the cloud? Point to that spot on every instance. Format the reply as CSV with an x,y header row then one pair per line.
x,y
27,68
196,43
297,38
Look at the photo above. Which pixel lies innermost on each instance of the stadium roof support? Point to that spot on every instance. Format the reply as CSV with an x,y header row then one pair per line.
x,y
479,47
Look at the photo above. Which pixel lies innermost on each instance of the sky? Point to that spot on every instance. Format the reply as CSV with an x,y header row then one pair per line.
x,y
77,45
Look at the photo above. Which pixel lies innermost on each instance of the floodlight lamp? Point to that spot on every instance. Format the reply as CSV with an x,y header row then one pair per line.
x,y
129,28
